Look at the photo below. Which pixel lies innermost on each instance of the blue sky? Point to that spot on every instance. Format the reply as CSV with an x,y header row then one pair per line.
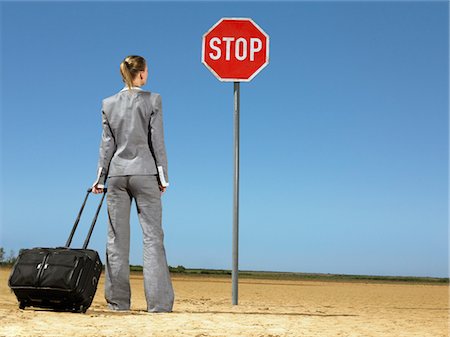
x,y
344,135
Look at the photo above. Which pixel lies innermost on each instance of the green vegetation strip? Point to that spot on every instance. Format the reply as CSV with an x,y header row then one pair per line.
x,y
301,276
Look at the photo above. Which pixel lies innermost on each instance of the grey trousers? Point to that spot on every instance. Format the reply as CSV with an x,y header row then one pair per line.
x,y
157,283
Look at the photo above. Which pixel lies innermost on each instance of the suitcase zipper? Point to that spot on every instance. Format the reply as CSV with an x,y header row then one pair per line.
x,y
41,267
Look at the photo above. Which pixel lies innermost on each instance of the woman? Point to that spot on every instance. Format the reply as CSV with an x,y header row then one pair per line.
x,y
133,158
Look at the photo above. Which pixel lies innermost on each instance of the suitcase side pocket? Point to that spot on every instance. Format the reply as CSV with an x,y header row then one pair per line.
x,y
27,269
61,271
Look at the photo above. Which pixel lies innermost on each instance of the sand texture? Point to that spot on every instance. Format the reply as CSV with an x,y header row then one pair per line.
x,y
266,308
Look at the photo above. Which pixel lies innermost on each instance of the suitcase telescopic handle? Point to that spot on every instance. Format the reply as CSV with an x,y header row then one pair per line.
x,y
75,225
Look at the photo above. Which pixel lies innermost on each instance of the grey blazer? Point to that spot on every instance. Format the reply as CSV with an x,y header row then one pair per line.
x,y
133,138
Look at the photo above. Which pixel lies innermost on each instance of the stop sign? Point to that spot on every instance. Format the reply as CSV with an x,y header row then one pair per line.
x,y
235,50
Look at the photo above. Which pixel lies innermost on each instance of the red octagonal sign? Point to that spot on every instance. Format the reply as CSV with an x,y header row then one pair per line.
x,y
235,50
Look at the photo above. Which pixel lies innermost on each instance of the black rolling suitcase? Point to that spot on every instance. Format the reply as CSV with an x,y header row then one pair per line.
x,y
63,278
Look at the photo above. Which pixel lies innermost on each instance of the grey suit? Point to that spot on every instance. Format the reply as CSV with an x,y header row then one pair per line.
x,y
132,155
133,137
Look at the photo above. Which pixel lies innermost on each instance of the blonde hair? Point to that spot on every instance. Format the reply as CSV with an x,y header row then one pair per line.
x,y
130,68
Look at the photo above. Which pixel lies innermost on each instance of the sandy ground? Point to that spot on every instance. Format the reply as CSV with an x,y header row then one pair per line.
x,y
266,308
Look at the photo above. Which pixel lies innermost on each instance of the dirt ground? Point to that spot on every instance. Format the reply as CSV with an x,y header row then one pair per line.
x,y
266,308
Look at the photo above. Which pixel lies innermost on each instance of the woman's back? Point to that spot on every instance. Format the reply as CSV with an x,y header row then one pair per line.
x,y
129,114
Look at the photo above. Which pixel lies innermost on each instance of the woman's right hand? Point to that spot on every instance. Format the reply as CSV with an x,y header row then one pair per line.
x,y
96,189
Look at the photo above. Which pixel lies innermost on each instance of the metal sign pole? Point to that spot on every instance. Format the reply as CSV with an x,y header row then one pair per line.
x,y
234,274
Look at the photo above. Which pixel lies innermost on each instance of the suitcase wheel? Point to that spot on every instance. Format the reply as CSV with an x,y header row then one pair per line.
x,y
80,309
22,305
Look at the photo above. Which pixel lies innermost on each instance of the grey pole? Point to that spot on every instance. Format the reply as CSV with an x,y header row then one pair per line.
x,y
234,274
